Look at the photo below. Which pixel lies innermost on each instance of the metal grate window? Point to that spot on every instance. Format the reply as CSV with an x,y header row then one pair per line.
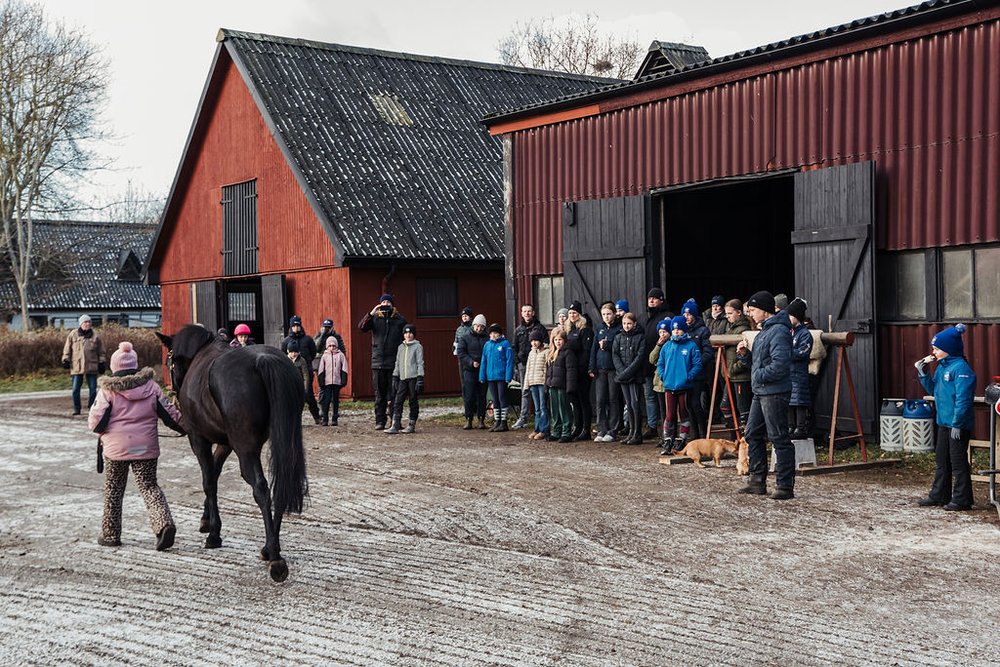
x,y
239,229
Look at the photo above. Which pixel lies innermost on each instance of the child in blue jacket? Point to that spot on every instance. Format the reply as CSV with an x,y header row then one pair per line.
x,y
679,367
497,369
953,385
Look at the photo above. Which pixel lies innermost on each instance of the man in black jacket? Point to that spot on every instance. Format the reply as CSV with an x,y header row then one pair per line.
x,y
522,346
656,310
386,326
307,348
470,356
320,338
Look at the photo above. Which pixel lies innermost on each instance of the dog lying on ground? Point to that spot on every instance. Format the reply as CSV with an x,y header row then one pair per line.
x,y
714,447
742,458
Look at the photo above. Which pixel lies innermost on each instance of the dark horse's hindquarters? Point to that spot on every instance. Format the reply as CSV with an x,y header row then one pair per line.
x,y
237,399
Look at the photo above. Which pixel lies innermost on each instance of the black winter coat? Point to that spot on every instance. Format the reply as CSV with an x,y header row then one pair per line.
x,y
522,341
307,347
700,334
802,345
563,372
629,355
653,317
320,341
600,360
579,340
387,336
470,349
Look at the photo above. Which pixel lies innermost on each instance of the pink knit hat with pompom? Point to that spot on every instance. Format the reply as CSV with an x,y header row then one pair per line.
x,y
124,357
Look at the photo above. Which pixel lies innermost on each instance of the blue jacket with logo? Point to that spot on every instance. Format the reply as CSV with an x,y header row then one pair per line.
x,y
953,385
679,364
498,361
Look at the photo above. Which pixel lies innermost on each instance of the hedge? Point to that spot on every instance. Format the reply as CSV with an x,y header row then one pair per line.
x,y
25,353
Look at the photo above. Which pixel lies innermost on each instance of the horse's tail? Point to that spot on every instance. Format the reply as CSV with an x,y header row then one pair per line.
x,y
289,485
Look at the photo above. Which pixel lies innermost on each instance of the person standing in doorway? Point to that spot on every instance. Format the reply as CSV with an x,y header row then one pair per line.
x,y
656,310
522,346
698,395
83,356
770,377
241,337
385,324
738,367
800,403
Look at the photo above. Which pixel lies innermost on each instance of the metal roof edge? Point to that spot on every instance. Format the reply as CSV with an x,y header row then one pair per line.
x,y
307,191
926,12
226,33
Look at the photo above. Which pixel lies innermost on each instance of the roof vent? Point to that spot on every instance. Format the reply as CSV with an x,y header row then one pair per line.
x,y
391,109
669,57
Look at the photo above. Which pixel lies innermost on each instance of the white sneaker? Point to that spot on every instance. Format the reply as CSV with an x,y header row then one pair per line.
x,y
518,425
608,438
598,438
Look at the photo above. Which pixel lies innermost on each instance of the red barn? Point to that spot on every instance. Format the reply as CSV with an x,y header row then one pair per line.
x,y
857,166
318,176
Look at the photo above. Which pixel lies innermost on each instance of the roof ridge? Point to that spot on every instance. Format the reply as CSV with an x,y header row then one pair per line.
x,y
227,33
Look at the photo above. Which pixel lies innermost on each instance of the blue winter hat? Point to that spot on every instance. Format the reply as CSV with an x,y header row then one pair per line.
x,y
718,300
294,320
690,306
387,297
664,325
679,323
622,304
950,340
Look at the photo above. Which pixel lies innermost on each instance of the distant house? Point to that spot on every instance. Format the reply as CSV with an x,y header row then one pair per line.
x,y
318,176
92,268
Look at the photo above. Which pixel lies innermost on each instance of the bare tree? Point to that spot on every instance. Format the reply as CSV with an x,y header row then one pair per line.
x,y
52,90
133,206
574,44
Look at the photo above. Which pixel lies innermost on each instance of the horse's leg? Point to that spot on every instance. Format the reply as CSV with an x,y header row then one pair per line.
x,y
253,474
211,466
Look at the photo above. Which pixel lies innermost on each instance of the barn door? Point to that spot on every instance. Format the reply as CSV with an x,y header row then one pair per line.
x,y
835,272
275,307
206,304
607,252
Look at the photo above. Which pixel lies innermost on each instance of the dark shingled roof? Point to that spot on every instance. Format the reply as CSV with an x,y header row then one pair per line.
x,y
390,144
96,253
882,23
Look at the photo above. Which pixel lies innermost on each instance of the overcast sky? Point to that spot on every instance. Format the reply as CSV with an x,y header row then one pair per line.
x,y
160,52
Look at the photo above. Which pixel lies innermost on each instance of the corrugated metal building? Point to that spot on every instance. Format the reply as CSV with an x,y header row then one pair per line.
x,y
857,166
318,176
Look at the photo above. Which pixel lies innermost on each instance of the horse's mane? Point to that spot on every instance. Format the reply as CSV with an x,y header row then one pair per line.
x,y
189,340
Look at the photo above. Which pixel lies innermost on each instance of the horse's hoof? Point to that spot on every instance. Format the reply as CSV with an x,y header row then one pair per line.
x,y
278,569
213,542
264,554
203,526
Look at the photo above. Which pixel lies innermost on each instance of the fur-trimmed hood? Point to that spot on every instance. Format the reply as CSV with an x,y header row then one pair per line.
x,y
122,383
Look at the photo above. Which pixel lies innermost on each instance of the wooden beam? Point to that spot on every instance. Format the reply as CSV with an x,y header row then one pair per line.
x,y
546,119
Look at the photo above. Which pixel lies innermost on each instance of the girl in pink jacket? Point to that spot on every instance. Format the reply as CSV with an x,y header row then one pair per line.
x,y
125,414
332,369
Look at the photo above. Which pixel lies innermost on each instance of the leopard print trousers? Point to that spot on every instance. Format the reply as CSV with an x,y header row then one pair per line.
x,y
115,477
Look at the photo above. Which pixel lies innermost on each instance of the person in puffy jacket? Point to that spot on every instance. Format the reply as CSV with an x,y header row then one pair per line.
x,y
579,339
737,366
561,378
125,415
628,351
602,371
800,402
470,356
521,345
497,370
241,337
770,379
331,374
953,385
83,356
386,327
698,394
679,367
534,379
409,379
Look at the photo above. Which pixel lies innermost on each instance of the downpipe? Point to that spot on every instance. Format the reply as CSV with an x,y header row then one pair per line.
x,y
992,400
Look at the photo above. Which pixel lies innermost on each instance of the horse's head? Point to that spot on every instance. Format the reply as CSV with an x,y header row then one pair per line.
x,y
181,350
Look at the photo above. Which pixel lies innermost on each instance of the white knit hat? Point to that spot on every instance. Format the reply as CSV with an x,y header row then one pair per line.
x,y
479,319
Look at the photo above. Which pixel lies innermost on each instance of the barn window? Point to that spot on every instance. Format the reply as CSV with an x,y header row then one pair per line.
x,y
437,297
903,285
239,229
987,283
956,283
549,298
970,282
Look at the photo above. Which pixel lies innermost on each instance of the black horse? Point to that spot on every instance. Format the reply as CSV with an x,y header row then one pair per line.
x,y
237,399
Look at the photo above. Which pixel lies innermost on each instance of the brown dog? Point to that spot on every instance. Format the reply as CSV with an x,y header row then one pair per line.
x,y
696,449
742,458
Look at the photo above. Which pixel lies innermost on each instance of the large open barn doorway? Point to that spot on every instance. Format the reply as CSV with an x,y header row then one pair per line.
x,y
731,238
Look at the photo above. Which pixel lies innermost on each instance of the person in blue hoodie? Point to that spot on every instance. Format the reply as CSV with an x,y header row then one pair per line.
x,y
952,384
770,379
679,367
496,371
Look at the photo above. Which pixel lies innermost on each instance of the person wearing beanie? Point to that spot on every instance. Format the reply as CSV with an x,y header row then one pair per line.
x,y
496,371
621,307
800,402
953,385
663,330
534,380
656,310
125,415
780,302
738,367
601,370
332,376
630,358
770,380
409,380
679,368
385,324
464,327
83,356
325,332
521,345
470,356
561,315
579,341
306,348
715,316
698,392
241,337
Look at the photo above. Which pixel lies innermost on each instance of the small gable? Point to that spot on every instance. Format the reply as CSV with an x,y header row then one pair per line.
x,y
668,57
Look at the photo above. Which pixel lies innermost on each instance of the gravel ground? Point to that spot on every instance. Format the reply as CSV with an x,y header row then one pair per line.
x,y
471,548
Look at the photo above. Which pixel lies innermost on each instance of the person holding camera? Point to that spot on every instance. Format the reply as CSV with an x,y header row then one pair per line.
x,y
386,326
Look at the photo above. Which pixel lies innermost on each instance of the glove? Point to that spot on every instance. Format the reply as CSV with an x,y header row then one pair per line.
x,y
420,385
101,367
65,364
920,363
956,434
